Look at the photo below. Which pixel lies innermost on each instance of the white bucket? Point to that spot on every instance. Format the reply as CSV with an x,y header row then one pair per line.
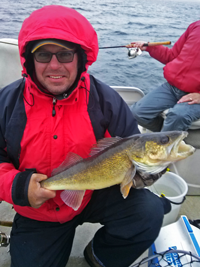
x,y
175,189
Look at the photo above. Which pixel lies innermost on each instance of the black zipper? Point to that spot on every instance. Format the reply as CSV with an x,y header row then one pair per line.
x,y
54,103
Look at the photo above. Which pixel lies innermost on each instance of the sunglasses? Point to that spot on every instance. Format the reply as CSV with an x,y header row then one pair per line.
x,y
62,56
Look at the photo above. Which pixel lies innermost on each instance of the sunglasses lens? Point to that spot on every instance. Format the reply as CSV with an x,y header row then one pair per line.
x,y
43,57
65,56
62,56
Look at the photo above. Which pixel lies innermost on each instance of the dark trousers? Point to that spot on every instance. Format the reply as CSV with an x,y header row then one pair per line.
x,y
130,226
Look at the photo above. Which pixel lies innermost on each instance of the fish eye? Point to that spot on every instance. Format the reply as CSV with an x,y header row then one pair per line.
x,y
164,139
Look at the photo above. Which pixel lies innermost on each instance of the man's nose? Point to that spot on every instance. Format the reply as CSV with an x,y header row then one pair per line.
x,y
54,63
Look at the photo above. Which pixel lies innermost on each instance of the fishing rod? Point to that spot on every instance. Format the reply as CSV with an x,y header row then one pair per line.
x,y
6,223
135,51
145,44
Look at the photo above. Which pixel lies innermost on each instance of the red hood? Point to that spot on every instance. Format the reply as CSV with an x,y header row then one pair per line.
x,y
69,25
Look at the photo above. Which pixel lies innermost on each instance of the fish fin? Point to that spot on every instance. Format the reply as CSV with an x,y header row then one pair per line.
x,y
127,182
125,189
103,144
72,198
70,160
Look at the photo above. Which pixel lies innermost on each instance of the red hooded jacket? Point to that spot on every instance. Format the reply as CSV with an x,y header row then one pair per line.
x,y
31,138
182,60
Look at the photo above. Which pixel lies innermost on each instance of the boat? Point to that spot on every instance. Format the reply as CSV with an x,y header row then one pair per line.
x,y
188,169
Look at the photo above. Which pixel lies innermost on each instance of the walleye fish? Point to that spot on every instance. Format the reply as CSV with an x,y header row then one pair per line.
x,y
114,161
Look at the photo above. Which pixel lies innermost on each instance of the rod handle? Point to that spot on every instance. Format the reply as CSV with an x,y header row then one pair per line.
x,y
157,43
6,223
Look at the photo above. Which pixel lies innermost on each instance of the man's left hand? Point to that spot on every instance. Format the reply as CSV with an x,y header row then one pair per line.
x,y
193,98
142,180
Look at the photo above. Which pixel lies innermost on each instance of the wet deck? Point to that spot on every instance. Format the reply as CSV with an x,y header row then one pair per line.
x,y
84,233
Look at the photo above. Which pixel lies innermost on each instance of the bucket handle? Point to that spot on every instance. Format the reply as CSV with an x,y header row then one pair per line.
x,y
172,202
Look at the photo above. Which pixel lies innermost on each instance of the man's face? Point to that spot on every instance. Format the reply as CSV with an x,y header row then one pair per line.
x,y
56,77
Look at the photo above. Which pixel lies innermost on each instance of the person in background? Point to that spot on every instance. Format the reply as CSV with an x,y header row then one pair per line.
x,y
55,109
180,94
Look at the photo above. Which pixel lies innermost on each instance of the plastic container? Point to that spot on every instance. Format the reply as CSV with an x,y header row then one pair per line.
x,y
175,189
177,236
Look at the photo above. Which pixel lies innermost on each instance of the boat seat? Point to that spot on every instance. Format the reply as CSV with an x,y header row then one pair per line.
x,y
10,66
129,94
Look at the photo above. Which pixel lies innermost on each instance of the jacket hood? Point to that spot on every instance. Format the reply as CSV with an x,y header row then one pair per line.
x,y
59,22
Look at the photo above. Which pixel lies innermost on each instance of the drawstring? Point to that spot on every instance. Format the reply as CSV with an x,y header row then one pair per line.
x,y
27,101
23,81
83,80
87,91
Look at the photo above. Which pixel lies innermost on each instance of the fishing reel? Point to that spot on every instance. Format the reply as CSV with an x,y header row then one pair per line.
x,y
4,240
134,52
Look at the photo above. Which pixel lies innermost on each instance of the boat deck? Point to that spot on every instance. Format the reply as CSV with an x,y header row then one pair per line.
x,y
84,233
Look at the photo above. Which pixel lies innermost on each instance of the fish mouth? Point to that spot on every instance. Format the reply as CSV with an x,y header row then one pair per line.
x,y
179,149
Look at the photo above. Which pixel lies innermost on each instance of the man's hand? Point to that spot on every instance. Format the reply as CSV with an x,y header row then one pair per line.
x,y
36,194
142,180
192,98
139,44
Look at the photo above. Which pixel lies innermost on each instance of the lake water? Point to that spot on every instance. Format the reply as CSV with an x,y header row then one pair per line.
x,y
117,22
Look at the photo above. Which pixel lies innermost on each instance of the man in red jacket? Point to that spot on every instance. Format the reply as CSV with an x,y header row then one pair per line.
x,y
181,93
58,108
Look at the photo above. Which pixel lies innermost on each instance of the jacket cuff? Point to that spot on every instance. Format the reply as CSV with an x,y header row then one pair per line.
x,y
149,48
20,187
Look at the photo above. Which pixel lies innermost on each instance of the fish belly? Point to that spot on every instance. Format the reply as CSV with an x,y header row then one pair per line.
x,y
101,175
